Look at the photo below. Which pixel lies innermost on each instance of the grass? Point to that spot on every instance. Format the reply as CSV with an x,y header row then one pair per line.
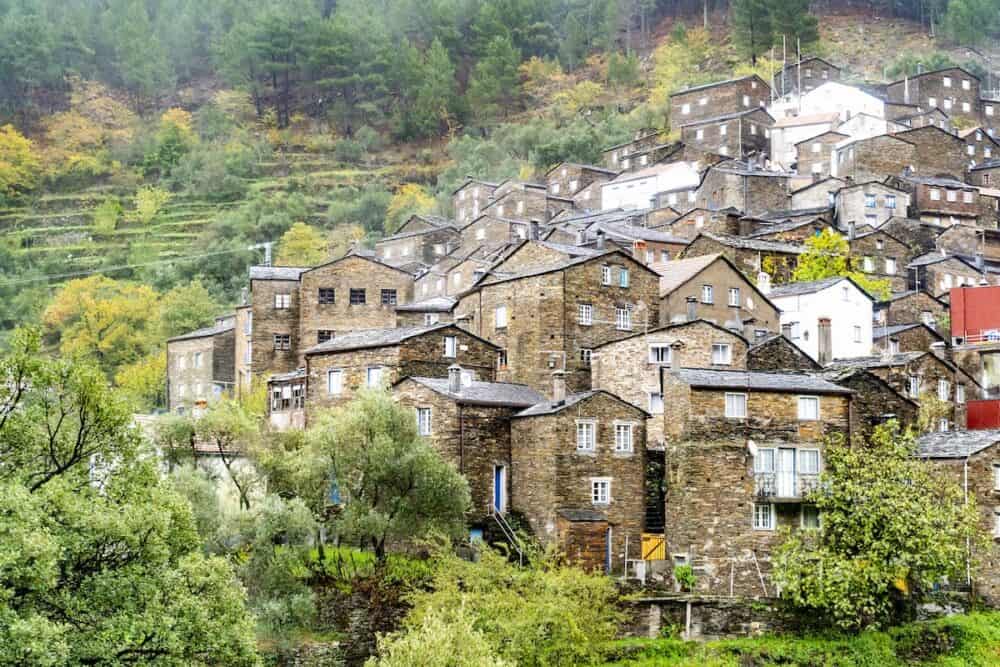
x,y
971,640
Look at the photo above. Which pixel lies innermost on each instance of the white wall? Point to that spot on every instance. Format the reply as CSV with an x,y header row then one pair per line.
x,y
635,190
846,100
844,315
783,140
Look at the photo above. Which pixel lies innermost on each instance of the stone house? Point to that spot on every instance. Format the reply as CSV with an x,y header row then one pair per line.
x,y
972,460
692,223
578,475
882,256
969,241
744,450
985,174
815,154
927,118
551,316
937,151
412,243
980,146
470,199
642,139
774,352
954,90
376,358
912,337
286,400
791,231
920,375
647,157
744,187
630,367
469,424
938,272
940,200
427,312
715,99
739,134
874,158
805,75
817,193
870,203
274,319
829,319
492,229
908,307
692,288
645,244
201,365
243,350
751,256
789,130
875,401
566,179
519,201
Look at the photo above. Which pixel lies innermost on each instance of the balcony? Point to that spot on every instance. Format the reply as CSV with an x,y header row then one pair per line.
x,y
784,487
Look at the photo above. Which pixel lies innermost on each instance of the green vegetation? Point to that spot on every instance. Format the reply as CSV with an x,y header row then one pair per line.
x,y
827,256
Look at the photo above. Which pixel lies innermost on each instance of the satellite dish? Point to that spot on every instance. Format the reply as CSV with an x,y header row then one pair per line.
x,y
752,447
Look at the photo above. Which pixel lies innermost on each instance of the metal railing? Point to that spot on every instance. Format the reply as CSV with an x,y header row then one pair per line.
x,y
508,532
768,486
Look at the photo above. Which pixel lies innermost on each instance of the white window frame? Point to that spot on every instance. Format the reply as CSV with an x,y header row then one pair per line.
x,y
730,409
624,437
734,296
586,435
600,490
424,421
585,314
282,301
605,275
959,393
373,377
655,349
722,354
890,266
707,294
805,413
334,388
500,317
943,389
623,277
623,318
655,402
996,476
769,523
450,347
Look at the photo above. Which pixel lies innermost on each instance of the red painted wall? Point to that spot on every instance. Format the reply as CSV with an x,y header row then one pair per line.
x,y
973,310
983,414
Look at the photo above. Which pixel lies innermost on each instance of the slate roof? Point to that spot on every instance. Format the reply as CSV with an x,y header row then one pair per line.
x,y
492,279
552,407
902,295
277,272
571,250
725,116
758,381
419,232
955,444
437,304
632,232
878,361
807,119
754,244
589,167
706,86
988,164
485,393
792,213
804,287
674,325
205,332
935,256
786,226
675,273
365,338
297,374
882,332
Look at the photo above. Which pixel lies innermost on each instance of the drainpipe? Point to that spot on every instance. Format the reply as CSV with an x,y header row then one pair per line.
x,y
968,540
461,440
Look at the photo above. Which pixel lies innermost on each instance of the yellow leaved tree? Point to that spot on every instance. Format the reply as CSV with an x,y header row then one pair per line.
x,y
409,199
302,245
20,165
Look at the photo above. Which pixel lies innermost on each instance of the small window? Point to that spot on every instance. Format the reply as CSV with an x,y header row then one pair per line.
x,y
327,296
623,319
480,234
655,403
702,101
890,266
723,130
932,102
450,346
989,110
605,275
808,408
952,195
699,134
869,201
585,435
736,406
197,359
334,382
623,438
967,197
424,421
763,516
722,354
960,393
868,264
966,107
947,82
890,202
943,425
373,377
323,335
810,517
431,318
500,317
996,476
623,277
943,390
935,194
585,313
389,297
966,84
857,334
659,354
357,296
707,295
746,100
913,386
817,147
585,355
502,359
685,109
893,346
282,301
970,150
600,491
282,341
734,296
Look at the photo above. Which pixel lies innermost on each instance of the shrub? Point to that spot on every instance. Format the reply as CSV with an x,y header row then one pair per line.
x,y
685,577
149,201
107,214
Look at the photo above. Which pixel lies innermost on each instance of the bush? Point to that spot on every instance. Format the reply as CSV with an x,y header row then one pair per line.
x,y
107,214
685,577
149,201
348,150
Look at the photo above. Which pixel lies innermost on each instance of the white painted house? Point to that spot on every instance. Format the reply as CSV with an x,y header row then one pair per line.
x,y
790,130
831,97
634,190
827,319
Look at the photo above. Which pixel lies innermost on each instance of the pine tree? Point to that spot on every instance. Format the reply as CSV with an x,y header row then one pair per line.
x,y
752,28
495,82
791,19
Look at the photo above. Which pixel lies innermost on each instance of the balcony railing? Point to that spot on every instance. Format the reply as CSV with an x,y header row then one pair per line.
x,y
777,486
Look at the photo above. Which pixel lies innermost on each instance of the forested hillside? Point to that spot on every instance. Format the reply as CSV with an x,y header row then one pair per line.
x,y
150,149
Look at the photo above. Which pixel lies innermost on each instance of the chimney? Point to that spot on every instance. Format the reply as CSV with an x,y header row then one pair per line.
x,y
558,386
600,239
581,237
941,350
692,308
764,282
851,230
454,379
980,263
675,355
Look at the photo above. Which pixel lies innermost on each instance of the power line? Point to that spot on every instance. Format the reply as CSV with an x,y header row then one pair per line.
x,y
121,267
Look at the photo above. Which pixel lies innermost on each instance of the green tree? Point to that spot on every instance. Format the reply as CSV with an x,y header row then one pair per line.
x,y
827,255
970,22
302,245
444,638
145,382
141,61
396,486
149,201
434,102
892,527
185,308
99,561
791,19
20,166
752,29
495,83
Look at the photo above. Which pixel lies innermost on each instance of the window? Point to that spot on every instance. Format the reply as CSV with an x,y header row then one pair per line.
x,y
970,150
389,296
869,201
605,275
327,296
952,195
722,354
480,234
890,266
890,202
935,194
944,390
623,438
623,319
966,84
736,406
947,82
707,294
323,335
810,517
334,382
817,147
585,313
623,277
659,354
450,346
967,197
808,408
913,386
655,403
431,318
573,185
555,188
373,377
932,102
734,296
947,104
868,264
702,101
197,360
685,109
699,221
871,220
699,134
585,355
753,129
987,152
996,476
746,100
809,72
357,296
943,425
723,130
424,421
960,393
600,491
989,109
248,353
282,301
650,256
664,256
966,107
500,317
763,516
585,435
857,334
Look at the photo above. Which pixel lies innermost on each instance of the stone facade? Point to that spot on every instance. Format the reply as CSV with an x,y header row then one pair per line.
x,y
874,402
986,175
874,158
630,368
243,353
717,99
777,353
470,199
953,90
937,151
569,178
816,194
697,220
980,147
426,246
519,201
813,155
553,481
736,134
641,140
908,307
750,256
938,277
810,73
792,232
274,312
751,192
882,256
942,201
916,338
200,366
870,203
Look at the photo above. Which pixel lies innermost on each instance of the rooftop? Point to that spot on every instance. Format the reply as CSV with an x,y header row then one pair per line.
x,y
214,330
437,304
804,287
883,332
757,381
955,444
365,338
485,393
754,244
277,272
706,86
675,273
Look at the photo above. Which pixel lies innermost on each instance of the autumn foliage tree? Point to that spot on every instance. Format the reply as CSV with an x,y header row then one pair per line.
x,y
302,245
20,165
827,255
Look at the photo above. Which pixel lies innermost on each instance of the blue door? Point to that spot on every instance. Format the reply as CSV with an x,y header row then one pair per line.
x,y
607,557
499,488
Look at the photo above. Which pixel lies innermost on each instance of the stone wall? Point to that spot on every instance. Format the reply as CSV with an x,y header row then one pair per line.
x,y
189,383
852,204
708,102
813,155
701,220
916,339
929,91
875,158
937,152
777,353
873,400
241,348
470,200
881,247
910,308
930,370
269,321
425,246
